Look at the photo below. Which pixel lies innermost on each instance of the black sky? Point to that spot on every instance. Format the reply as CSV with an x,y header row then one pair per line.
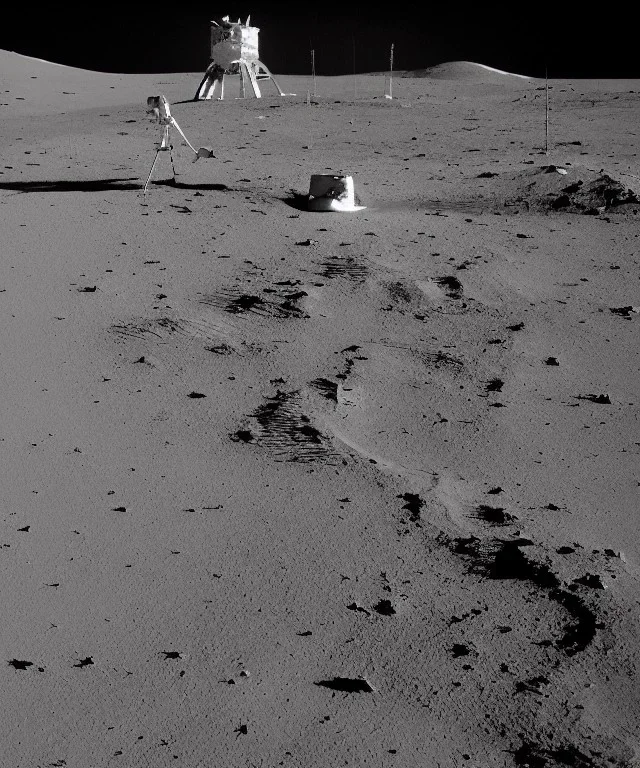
x,y
572,39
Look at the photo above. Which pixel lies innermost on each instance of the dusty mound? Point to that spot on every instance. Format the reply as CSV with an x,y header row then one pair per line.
x,y
594,196
464,71
557,188
574,190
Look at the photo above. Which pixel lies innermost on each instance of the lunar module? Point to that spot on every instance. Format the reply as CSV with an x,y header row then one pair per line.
x,y
234,51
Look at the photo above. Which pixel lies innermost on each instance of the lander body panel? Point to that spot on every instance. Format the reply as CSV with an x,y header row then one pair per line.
x,y
234,51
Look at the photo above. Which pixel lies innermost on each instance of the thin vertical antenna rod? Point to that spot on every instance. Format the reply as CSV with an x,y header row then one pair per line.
x,y
546,111
391,73
313,70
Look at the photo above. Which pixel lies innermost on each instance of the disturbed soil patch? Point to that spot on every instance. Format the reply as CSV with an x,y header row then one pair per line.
x,y
163,329
326,388
280,305
531,755
441,361
283,427
451,286
498,559
493,515
346,267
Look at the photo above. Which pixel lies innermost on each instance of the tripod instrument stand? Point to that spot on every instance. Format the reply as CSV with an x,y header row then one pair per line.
x,y
159,107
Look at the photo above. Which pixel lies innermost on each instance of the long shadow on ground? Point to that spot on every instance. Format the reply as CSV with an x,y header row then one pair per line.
x,y
182,185
94,185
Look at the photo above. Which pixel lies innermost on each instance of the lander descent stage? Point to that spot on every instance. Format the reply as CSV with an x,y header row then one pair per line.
x,y
234,51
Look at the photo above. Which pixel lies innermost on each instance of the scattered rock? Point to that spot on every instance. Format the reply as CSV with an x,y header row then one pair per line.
x,y
624,311
532,685
242,436
17,664
413,504
356,607
601,399
347,684
590,580
384,608
220,349
457,650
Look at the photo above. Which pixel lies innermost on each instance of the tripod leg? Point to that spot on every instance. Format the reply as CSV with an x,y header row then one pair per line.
x,y
173,168
155,160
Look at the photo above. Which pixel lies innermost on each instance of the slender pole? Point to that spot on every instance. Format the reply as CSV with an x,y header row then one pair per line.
x,y
313,70
546,111
391,73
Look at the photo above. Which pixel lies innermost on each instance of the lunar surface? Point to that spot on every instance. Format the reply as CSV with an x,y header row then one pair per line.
x,y
297,489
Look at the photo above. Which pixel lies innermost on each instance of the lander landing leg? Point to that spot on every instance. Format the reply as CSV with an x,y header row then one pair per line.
x,y
255,71
251,73
262,73
207,88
